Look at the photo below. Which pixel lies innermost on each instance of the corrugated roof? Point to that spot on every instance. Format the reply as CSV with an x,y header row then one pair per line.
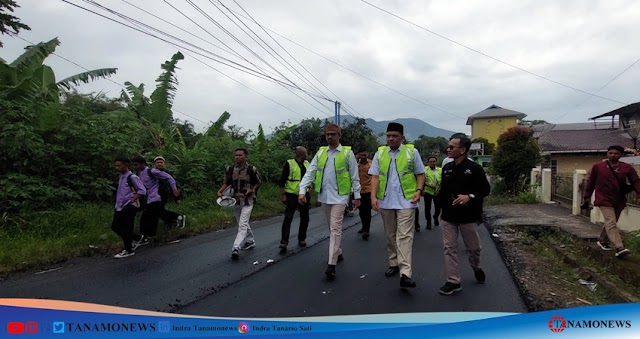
x,y
626,110
495,111
578,126
590,140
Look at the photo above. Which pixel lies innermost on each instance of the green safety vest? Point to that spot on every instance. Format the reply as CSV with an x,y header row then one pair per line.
x,y
404,167
341,162
430,179
295,175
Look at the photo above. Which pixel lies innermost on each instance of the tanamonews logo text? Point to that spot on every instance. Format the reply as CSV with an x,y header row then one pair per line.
x,y
558,324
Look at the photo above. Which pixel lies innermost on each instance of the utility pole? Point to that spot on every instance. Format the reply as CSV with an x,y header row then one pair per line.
x,y
337,116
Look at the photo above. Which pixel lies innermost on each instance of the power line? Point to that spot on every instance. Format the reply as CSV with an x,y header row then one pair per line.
x,y
139,23
356,72
288,65
227,47
600,89
295,59
86,69
259,75
489,56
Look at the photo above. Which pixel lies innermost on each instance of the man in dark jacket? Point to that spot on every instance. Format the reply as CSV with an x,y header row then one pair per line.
x,y
166,192
607,178
464,186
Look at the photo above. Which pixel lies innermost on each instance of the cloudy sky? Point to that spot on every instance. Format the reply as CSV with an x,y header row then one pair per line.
x,y
579,44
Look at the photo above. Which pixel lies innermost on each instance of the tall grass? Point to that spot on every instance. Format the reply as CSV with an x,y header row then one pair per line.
x,y
49,237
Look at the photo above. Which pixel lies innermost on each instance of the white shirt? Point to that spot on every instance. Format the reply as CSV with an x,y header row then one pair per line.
x,y
394,197
329,190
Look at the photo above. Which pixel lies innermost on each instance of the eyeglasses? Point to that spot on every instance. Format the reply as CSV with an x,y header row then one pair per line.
x,y
452,147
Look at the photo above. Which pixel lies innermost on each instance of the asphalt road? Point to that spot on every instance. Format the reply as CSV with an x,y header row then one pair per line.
x,y
196,276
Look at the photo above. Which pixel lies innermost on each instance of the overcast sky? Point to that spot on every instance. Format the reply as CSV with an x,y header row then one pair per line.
x,y
582,44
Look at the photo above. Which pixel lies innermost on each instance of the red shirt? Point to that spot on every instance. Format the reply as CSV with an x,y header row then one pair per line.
x,y
606,185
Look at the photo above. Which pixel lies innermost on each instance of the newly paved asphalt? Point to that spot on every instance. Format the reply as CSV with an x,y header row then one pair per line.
x,y
196,276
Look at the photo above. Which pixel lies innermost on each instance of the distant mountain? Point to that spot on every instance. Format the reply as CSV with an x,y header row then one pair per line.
x,y
413,128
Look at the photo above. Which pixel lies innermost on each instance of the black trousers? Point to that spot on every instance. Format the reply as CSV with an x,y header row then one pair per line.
x,y
428,198
149,219
365,211
122,225
290,210
169,218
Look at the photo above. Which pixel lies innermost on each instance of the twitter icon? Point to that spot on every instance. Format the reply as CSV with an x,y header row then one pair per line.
x,y
58,327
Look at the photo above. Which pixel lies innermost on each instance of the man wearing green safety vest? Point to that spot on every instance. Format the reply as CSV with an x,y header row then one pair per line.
x,y
334,174
433,182
292,172
397,180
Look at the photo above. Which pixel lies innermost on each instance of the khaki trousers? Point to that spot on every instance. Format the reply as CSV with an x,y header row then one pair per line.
x,y
398,225
335,214
471,241
610,232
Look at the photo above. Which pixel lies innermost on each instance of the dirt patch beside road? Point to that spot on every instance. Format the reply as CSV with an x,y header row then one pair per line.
x,y
548,264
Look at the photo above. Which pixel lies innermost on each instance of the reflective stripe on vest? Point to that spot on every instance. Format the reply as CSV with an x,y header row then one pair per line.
x,y
404,166
295,175
429,180
341,163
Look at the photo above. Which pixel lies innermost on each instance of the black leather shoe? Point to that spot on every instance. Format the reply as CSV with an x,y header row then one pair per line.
x,y
406,282
330,272
436,221
480,276
340,258
391,271
429,226
365,236
361,231
283,248
418,229
302,243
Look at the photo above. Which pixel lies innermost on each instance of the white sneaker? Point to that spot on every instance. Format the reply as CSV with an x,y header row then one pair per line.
x,y
604,246
134,245
124,254
182,221
623,253
247,245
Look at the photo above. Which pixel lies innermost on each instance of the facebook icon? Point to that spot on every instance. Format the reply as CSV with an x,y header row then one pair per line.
x,y
58,327
164,327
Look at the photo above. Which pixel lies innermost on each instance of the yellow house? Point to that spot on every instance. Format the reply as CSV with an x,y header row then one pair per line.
x,y
492,122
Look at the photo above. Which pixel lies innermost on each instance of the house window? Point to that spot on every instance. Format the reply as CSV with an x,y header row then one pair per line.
x,y
553,164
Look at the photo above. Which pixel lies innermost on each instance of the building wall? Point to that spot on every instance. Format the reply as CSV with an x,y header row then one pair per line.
x,y
568,163
491,128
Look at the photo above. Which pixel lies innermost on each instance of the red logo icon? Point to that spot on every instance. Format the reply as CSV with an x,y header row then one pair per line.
x,y
32,327
557,323
17,327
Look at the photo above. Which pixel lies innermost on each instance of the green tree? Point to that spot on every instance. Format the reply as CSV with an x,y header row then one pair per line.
x,y
10,24
516,155
431,146
358,135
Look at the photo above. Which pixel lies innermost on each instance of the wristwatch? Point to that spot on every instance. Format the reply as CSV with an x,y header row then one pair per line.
x,y
419,189
471,196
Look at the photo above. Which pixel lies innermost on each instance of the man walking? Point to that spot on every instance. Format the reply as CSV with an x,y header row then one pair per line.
x,y
364,164
244,181
609,180
433,182
464,186
129,195
396,186
292,173
166,191
150,178
334,173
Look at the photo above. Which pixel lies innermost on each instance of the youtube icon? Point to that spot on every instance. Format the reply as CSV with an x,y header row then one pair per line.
x,y
15,327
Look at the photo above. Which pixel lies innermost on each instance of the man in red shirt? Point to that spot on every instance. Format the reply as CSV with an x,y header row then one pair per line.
x,y
607,178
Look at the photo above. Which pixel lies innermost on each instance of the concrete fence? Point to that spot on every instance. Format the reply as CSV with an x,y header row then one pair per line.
x,y
541,184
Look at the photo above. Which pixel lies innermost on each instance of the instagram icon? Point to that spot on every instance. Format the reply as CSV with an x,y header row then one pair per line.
x,y
243,328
